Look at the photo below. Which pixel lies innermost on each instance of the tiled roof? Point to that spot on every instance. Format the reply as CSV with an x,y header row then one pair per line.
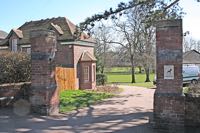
x,y
57,28
71,26
62,25
86,56
18,33
191,57
3,34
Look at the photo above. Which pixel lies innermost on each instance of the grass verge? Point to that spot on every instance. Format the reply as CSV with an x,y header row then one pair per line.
x,y
126,79
76,99
145,84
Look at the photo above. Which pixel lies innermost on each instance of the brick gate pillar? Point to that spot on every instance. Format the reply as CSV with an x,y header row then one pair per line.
x,y
168,99
43,95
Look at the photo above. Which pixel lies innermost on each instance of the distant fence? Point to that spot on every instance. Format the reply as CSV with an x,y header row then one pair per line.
x,y
65,78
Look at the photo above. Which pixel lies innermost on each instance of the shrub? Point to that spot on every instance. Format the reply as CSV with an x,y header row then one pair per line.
x,y
101,79
194,89
14,67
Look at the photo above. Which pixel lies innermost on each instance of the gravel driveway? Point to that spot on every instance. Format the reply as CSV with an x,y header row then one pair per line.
x,y
127,113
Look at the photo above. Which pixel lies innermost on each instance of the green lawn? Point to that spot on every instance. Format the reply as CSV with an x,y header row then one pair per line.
x,y
123,75
75,99
145,84
120,70
126,78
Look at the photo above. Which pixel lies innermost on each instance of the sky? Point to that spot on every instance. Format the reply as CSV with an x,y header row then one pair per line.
x,y
14,13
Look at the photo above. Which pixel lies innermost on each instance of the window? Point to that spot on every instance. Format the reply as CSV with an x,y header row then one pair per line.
x,y
28,50
94,74
86,73
14,45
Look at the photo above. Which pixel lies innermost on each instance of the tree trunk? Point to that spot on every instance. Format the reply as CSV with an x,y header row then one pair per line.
x,y
104,57
132,70
147,72
140,69
102,69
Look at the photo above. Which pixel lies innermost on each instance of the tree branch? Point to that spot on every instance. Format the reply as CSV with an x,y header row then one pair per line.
x,y
170,5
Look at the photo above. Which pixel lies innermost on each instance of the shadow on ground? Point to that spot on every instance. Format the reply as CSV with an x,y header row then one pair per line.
x,y
127,113
84,120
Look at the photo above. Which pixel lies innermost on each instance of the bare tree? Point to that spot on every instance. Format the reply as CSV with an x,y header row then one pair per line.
x,y
190,44
103,36
198,46
160,9
147,50
128,31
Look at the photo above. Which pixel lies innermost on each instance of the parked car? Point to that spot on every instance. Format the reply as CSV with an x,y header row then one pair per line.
x,y
191,74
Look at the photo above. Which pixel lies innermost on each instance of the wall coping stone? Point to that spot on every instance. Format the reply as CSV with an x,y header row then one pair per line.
x,y
169,23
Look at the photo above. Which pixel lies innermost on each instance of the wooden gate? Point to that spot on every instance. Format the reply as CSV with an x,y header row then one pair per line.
x,y
65,78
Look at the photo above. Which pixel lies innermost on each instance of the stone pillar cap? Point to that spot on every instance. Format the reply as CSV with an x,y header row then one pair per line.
x,y
169,23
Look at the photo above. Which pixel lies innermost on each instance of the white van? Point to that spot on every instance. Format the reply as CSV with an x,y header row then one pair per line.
x,y
191,74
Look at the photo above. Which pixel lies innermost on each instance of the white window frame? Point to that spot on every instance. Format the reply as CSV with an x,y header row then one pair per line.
x,y
93,73
28,50
21,48
86,73
14,45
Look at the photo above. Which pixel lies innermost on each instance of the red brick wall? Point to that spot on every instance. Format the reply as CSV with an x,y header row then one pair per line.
x,y
169,103
192,111
69,56
44,96
91,84
64,56
77,51
168,46
15,90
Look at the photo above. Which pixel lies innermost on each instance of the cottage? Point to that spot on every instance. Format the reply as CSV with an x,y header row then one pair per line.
x,y
71,52
191,57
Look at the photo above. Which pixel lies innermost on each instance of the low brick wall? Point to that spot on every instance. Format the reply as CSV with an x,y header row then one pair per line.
x,y
9,93
192,110
169,112
177,114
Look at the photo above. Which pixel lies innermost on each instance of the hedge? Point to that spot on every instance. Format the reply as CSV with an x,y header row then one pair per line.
x,y
14,67
101,79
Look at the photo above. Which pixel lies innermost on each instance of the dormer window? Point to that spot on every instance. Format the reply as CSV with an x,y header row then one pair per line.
x,y
14,45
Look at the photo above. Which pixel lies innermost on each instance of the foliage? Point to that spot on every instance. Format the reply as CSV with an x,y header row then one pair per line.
x,y
194,89
14,67
99,64
76,99
158,9
185,90
101,79
133,31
